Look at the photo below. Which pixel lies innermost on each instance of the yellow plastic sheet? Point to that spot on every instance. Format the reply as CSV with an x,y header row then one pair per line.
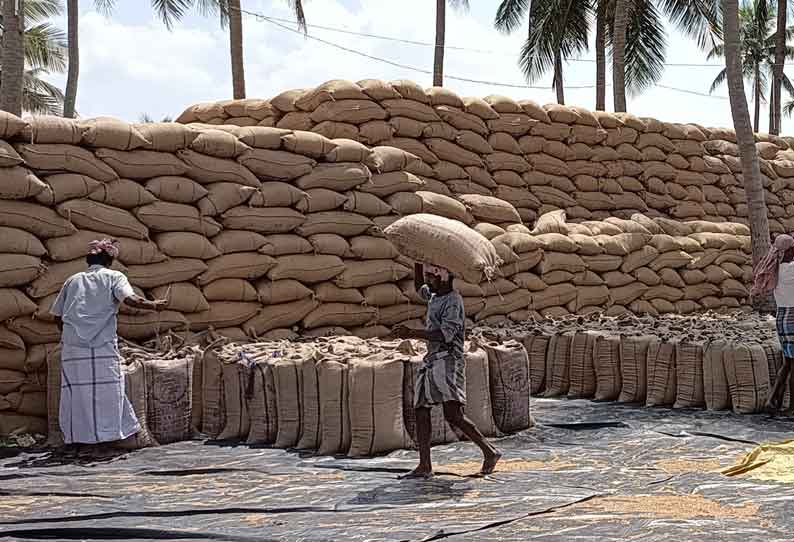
x,y
774,461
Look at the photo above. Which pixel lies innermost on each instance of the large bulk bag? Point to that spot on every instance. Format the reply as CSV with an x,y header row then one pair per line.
x,y
581,372
536,346
717,396
168,410
661,373
376,406
138,396
235,382
606,361
261,403
689,375
334,421
510,387
557,365
446,243
747,372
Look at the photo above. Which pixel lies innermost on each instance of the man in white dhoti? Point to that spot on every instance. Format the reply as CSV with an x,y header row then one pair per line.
x,y
94,407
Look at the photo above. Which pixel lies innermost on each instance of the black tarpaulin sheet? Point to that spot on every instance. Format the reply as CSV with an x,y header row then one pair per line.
x,y
588,471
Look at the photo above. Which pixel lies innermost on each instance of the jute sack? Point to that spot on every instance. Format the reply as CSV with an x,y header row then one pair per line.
x,y
366,204
19,269
479,407
238,422
342,314
122,193
748,377
182,297
111,133
10,340
140,164
395,314
208,169
581,371
661,371
288,378
21,183
372,248
262,220
334,421
317,200
606,361
222,314
15,359
281,291
219,144
360,274
537,347
375,401
330,243
53,278
39,220
283,245
165,136
261,404
717,396
557,365
220,197
328,292
273,165
168,272
556,295
379,295
490,209
509,385
15,424
163,216
68,158
230,290
138,396
386,184
407,203
441,241
340,223
213,416
99,217
186,245
307,268
16,241
336,176
58,188
10,381
146,326
504,304
231,241
45,129
279,316
689,375
242,265
310,405
169,388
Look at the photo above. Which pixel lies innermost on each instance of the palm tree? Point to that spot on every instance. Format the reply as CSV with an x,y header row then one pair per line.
x,y
441,24
231,15
758,44
751,173
780,59
44,52
169,11
558,29
620,23
13,56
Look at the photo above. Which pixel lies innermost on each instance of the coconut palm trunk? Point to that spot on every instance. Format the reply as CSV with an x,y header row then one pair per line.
x,y
780,59
73,73
559,85
13,57
751,173
601,57
236,48
757,99
441,24
620,24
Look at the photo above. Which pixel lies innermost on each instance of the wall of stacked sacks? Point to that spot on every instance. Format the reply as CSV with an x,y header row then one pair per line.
x,y
592,164
268,232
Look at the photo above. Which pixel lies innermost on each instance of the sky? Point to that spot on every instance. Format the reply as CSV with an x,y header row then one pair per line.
x,y
130,64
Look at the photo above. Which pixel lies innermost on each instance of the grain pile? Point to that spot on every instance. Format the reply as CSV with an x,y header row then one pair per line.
x,y
710,360
593,165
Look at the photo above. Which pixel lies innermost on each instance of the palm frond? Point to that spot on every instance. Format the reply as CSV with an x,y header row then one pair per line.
x,y
646,46
105,7
788,108
510,14
460,5
171,11
41,10
45,47
698,19
297,9
39,96
719,80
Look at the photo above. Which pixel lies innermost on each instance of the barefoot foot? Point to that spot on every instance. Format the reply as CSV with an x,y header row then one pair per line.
x,y
418,473
489,463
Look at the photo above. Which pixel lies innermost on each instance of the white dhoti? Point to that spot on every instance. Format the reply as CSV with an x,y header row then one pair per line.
x,y
94,407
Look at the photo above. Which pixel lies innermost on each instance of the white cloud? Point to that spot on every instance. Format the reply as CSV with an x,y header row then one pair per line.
x,y
131,65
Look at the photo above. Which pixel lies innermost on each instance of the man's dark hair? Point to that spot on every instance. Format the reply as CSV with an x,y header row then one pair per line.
x,y
103,258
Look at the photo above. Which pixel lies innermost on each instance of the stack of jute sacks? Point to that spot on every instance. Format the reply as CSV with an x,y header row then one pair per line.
x,y
593,165
709,360
335,395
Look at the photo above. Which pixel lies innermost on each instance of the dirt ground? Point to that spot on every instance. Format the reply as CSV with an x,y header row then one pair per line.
x,y
586,472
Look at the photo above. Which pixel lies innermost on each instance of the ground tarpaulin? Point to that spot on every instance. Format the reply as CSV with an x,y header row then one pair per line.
x,y
588,471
